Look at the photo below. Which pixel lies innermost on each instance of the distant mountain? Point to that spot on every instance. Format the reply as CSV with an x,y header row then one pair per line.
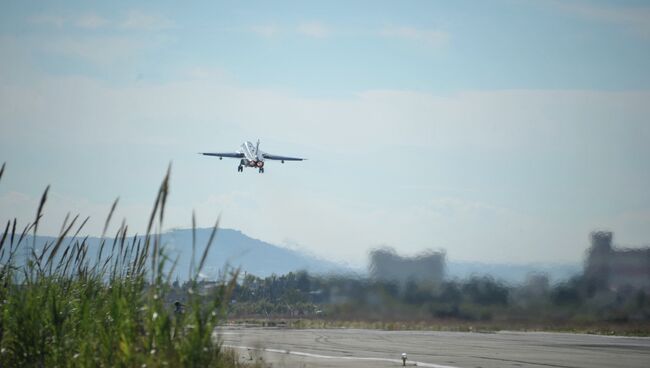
x,y
254,256
263,259
236,249
231,248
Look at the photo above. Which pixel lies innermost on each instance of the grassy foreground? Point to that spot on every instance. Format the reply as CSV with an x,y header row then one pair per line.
x,y
58,308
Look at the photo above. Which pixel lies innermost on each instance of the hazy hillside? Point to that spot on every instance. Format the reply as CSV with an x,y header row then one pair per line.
x,y
236,249
231,247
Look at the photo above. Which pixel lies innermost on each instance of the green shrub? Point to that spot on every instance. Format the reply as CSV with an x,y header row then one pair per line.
x,y
60,308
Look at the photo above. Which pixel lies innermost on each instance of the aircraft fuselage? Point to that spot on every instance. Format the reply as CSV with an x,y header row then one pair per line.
x,y
252,156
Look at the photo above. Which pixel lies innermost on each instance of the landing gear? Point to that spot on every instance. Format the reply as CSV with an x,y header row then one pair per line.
x,y
240,168
261,170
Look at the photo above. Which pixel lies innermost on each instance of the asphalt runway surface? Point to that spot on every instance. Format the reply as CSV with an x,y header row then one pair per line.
x,y
374,348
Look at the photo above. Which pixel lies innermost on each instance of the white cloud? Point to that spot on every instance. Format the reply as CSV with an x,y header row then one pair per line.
x,y
427,36
314,29
98,50
91,21
137,20
133,20
509,123
487,120
317,29
107,48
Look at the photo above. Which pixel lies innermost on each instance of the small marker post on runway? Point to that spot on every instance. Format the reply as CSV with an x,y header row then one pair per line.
x,y
404,359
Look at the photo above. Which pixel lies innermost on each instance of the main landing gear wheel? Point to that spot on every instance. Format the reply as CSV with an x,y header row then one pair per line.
x,y
240,168
261,170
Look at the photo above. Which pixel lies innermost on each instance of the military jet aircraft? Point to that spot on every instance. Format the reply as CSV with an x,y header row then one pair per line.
x,y
251,156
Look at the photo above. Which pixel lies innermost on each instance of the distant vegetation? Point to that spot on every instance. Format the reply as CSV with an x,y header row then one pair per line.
x,y
480,301
62,308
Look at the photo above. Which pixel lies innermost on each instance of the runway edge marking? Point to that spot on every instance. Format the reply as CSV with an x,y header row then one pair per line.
x,y
310,355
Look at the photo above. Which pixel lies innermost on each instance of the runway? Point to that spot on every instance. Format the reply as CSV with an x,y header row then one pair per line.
x,y
374,348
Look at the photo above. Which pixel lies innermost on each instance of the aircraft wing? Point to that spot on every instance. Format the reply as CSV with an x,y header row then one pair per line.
x,y
223,154
269,156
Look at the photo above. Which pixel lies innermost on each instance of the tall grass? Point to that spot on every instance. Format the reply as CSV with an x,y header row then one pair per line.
x,y
59,307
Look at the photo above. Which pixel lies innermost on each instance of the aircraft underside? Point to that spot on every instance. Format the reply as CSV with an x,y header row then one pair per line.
x,y
251,163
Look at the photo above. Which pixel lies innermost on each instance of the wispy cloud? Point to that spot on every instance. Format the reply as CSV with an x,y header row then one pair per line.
x,y
137,20
318,29
635,19
314,29
91,21
115,44
85,21
101,51
265,30
132,20
428,36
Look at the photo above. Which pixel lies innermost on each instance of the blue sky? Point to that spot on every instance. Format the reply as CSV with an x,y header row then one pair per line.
x,y
499,131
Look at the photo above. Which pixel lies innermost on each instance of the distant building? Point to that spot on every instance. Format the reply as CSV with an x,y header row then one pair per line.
x,y
386,265
610,268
